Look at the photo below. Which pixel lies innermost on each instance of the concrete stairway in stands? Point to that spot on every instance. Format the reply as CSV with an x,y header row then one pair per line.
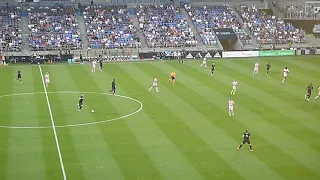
x,y
253,38
83,31
24,31
139,31
193,28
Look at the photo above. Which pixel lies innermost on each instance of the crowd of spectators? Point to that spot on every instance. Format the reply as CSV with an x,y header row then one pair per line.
x,y
165,26
268,28
301,12
208,18
110,27
10,32
53,28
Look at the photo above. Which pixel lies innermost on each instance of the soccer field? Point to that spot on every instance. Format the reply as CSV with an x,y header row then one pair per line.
x,y
183,132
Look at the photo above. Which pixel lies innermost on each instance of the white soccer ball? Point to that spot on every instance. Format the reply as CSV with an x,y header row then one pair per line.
x,y
92,110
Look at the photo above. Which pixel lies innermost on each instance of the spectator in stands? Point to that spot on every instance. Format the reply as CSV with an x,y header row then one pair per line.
x,y
270,29
165,26
10,32
208,18
53,28
110,27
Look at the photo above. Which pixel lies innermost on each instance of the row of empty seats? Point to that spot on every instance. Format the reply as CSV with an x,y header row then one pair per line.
x,y
301,12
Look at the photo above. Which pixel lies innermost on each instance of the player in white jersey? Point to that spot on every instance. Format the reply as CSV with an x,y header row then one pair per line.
x,y
204,62
285,74
231,104
234,87
47,79
256,68
94,62
318,94
155,84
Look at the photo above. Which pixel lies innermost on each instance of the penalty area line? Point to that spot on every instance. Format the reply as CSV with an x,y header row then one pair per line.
x,y
53,126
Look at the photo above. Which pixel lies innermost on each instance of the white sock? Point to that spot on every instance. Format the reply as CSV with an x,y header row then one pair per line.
x,y
316,97
157,89
232,113
229,113
150,88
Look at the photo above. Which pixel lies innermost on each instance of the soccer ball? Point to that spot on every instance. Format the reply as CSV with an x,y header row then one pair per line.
x,y
92,110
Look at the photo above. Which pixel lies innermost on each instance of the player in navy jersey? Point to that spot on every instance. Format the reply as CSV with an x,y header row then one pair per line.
x,y
246,140
81,99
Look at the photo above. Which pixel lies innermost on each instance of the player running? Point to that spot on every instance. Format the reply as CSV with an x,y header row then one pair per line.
x,y
246,139
318,93
47,79
155,84
101,64
80,104
256,68
19,76
204,62
309,92
173,77
213,66
94,62
234,87
231,104
285,74
268,66
113,87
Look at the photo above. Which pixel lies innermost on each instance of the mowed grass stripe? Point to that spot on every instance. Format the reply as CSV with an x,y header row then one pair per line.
x,y
277,138
298,76
304,68
50,153
165,155
286,92
275,77
266,93
197,98
312,63
271,107
215,96
124,147
25,157
6,116
92,151
72,163
192,146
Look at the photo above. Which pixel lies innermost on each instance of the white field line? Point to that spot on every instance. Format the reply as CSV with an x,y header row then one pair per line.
x,y
53,126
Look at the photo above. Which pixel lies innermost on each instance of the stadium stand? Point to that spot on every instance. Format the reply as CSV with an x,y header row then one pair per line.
x,y
10,32
165,26
53,28
269,29
208,18
110,27
301,12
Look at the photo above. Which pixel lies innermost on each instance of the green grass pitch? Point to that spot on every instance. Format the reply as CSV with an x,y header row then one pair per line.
x,y
182,133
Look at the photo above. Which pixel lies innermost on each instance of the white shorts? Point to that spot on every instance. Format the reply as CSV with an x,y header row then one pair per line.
x,y
256,69
285,76
230,108
47,81
155,85
93,67
234,87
